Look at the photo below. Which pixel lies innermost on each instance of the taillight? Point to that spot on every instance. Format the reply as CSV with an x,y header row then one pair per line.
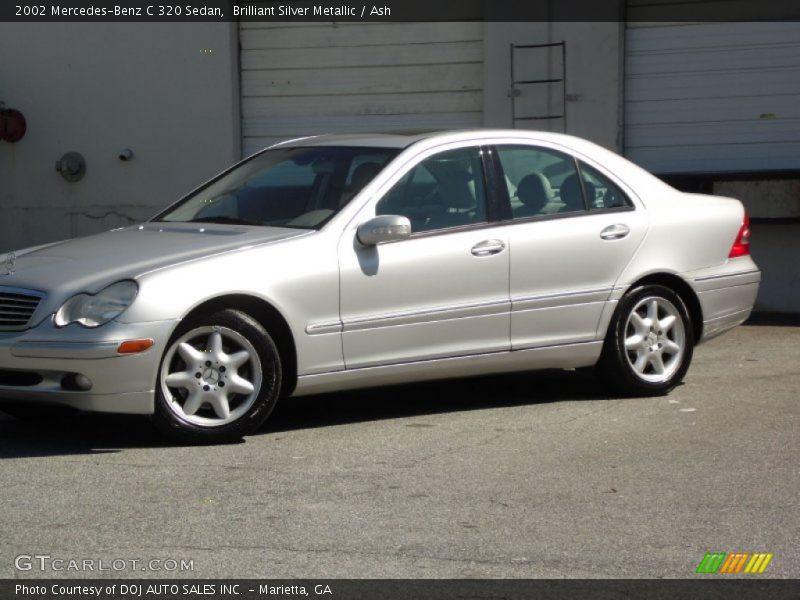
x,y
741,247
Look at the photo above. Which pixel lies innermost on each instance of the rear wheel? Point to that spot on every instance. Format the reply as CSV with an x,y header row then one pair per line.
x,y
649,344
219,379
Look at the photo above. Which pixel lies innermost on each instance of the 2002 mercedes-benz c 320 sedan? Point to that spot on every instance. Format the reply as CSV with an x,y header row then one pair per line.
x,y
335,262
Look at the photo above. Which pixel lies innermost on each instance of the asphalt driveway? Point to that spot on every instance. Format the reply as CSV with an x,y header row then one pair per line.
x,y
535,475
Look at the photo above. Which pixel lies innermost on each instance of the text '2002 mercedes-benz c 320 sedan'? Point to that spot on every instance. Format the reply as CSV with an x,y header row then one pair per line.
x,y
343,261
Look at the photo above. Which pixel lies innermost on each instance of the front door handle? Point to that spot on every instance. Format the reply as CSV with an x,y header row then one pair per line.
x,y
488,247
615,232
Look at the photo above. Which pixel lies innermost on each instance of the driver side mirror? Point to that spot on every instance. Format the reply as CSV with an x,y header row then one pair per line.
x,y
384,228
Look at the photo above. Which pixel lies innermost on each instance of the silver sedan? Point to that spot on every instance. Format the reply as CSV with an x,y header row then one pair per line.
x,y
336,262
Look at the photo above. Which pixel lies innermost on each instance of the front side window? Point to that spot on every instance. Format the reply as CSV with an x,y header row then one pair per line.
x,y
445,190
540,181
286,187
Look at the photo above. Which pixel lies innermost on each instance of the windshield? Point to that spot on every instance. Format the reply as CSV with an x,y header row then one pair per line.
x,y
286,187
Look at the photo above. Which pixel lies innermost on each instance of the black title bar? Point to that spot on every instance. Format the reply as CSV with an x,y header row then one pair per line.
x,y
398,10
394,589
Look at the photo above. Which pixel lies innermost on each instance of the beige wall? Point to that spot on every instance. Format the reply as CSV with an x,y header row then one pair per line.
x,y
169,92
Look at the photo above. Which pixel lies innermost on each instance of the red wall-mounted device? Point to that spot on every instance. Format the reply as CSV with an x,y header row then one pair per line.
x,y
12,125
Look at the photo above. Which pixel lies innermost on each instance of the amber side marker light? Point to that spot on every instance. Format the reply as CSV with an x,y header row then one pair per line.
x,y
134,346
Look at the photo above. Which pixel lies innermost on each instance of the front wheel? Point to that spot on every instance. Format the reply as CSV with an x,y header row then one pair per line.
x,y
219,379
649,344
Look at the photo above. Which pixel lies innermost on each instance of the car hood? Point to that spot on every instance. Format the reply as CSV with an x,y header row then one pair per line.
x,y
90,263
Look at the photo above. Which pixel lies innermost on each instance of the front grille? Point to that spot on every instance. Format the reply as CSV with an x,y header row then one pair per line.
x,y
17,308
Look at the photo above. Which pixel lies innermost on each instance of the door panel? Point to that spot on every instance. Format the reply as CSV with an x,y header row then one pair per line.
x,y
573,232
444,291
562,273
424,298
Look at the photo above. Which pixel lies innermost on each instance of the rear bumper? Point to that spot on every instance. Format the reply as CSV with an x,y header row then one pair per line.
x,y
34,363
726,299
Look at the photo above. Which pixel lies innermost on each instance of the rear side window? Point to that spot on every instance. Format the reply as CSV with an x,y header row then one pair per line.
x,y
540,181
601,192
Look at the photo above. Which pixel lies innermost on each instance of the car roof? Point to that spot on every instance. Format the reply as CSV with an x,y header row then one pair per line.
x,y
404,139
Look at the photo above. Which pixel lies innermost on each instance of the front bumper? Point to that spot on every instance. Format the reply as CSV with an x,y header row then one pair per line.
x,y
34,364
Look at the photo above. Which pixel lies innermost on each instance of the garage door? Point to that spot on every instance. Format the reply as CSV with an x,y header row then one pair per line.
x,y
306,79
713,97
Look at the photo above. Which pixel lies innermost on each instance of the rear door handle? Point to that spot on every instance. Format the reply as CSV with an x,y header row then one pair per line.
x,y
615,232
488,247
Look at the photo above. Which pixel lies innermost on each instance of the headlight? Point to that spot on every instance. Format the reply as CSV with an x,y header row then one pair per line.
x,y
98,309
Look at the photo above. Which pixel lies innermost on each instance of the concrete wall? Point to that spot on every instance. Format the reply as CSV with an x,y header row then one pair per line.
x,y
594,54
169,92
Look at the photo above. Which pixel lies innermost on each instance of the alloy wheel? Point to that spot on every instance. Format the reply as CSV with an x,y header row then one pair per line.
x,y
211,376
655,339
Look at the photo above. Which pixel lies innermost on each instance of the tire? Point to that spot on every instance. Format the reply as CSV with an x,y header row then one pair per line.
x,y
219,379
643,355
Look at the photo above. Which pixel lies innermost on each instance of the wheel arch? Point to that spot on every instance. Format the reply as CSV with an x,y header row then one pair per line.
x,y
682,289
270,318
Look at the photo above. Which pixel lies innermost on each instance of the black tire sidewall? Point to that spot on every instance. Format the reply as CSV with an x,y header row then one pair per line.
x,y
177,428
614,367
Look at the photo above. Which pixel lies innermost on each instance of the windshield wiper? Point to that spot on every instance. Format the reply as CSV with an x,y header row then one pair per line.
x,y
223,220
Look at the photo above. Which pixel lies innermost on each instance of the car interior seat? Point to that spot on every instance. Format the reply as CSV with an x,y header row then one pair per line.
x,y
362,175
572,196
534,192
457,199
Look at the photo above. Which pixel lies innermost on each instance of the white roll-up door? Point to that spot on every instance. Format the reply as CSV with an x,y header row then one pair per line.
x,y
722,97
308,79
